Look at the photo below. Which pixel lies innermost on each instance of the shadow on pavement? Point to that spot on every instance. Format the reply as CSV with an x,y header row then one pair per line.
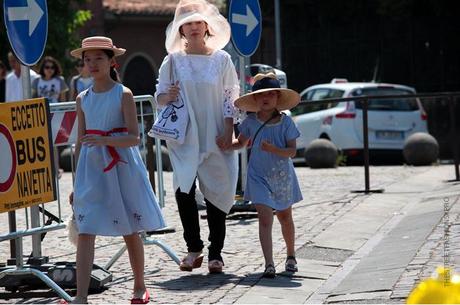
x,y
199,281
128,278
283,279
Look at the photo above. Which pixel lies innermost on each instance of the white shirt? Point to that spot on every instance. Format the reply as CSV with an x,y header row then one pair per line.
x,y
51,89
13,86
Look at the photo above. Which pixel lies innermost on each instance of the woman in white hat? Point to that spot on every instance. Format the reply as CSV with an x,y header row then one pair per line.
x,y
112,195
208,85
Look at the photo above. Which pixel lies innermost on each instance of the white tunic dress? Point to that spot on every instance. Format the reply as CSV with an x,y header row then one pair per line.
x,y
209,86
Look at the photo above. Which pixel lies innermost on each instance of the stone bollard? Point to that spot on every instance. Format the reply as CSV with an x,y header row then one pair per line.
x,y
420,149
321,153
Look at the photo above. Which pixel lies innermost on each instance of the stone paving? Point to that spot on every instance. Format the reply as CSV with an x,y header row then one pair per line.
x,y
442,248
327,198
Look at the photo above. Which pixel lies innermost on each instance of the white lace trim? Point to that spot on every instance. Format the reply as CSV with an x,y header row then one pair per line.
x,y
199,68
230,111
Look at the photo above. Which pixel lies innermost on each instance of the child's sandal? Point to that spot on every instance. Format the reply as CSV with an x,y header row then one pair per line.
x,y
269,272
291,264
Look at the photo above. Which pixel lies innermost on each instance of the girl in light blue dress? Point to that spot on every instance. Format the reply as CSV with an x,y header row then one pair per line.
x,y
271,180
112,194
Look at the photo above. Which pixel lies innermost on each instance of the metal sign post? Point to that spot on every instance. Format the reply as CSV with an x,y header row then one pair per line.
x,y
244,151
246,23
34,211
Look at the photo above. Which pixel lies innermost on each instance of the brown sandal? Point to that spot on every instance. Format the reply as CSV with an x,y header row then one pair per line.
x,y
191,261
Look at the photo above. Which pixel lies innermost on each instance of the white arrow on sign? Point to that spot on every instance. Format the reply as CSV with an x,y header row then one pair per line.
x,y
32,12
249,20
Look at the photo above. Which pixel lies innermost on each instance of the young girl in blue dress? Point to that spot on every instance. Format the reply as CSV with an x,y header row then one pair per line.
x,y
112,194
271,180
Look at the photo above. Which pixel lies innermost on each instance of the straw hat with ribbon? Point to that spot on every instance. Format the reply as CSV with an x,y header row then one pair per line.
x,y
97,43
197,10
268,82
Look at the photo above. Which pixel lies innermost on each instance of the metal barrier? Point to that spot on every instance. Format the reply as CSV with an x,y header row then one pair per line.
x,y
365,99
64,134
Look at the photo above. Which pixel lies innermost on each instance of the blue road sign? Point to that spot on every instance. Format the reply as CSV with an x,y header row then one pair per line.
x,y
26,23
246,23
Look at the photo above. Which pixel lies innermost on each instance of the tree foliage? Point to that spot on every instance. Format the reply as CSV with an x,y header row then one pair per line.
x,y
64,20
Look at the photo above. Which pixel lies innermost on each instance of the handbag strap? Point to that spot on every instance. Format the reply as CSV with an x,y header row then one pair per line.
x,y
274,115
171,69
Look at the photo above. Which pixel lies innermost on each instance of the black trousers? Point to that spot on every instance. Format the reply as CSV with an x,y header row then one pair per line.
x,y
188,212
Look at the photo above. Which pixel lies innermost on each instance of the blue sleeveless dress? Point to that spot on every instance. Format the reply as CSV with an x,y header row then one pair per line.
x,y
118,199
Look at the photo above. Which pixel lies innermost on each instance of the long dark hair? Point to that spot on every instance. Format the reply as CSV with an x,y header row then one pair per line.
x,y
113,72
50,60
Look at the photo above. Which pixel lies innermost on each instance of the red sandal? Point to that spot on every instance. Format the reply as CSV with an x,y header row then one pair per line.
x,y
143,300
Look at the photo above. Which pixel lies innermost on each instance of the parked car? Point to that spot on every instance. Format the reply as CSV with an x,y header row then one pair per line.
x,y
262,68
390,121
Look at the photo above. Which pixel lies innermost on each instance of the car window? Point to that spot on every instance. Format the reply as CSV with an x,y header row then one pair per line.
x,y
399,104
316,95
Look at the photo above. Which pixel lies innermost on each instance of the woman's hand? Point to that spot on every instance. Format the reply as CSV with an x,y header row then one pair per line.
x,y
224,142
173,92
71,198
268,147
93,140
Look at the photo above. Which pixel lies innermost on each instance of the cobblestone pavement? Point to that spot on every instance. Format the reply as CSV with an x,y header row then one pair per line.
x,y
327,197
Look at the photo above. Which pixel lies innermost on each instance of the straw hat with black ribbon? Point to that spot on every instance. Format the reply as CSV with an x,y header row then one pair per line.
x,y
268,82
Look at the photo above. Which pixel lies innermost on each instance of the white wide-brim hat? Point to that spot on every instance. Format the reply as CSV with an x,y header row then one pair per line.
x,y
287,99
97,43
197,10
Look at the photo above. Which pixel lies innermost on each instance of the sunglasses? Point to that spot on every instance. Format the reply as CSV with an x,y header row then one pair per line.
x,y
49,67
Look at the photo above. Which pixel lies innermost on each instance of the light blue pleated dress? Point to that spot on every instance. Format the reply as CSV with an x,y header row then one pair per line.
x,y
116,201
271,179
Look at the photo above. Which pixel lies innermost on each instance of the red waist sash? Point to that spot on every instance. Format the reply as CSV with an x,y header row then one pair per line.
x,y
112,151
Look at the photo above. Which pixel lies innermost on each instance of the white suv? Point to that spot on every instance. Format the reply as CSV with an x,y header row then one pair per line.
x,y
390,121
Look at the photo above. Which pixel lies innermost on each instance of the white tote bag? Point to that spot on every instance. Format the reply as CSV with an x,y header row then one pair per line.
x,y
171,123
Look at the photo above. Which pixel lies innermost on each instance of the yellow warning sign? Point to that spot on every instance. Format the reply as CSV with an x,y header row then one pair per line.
x,y
26,162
